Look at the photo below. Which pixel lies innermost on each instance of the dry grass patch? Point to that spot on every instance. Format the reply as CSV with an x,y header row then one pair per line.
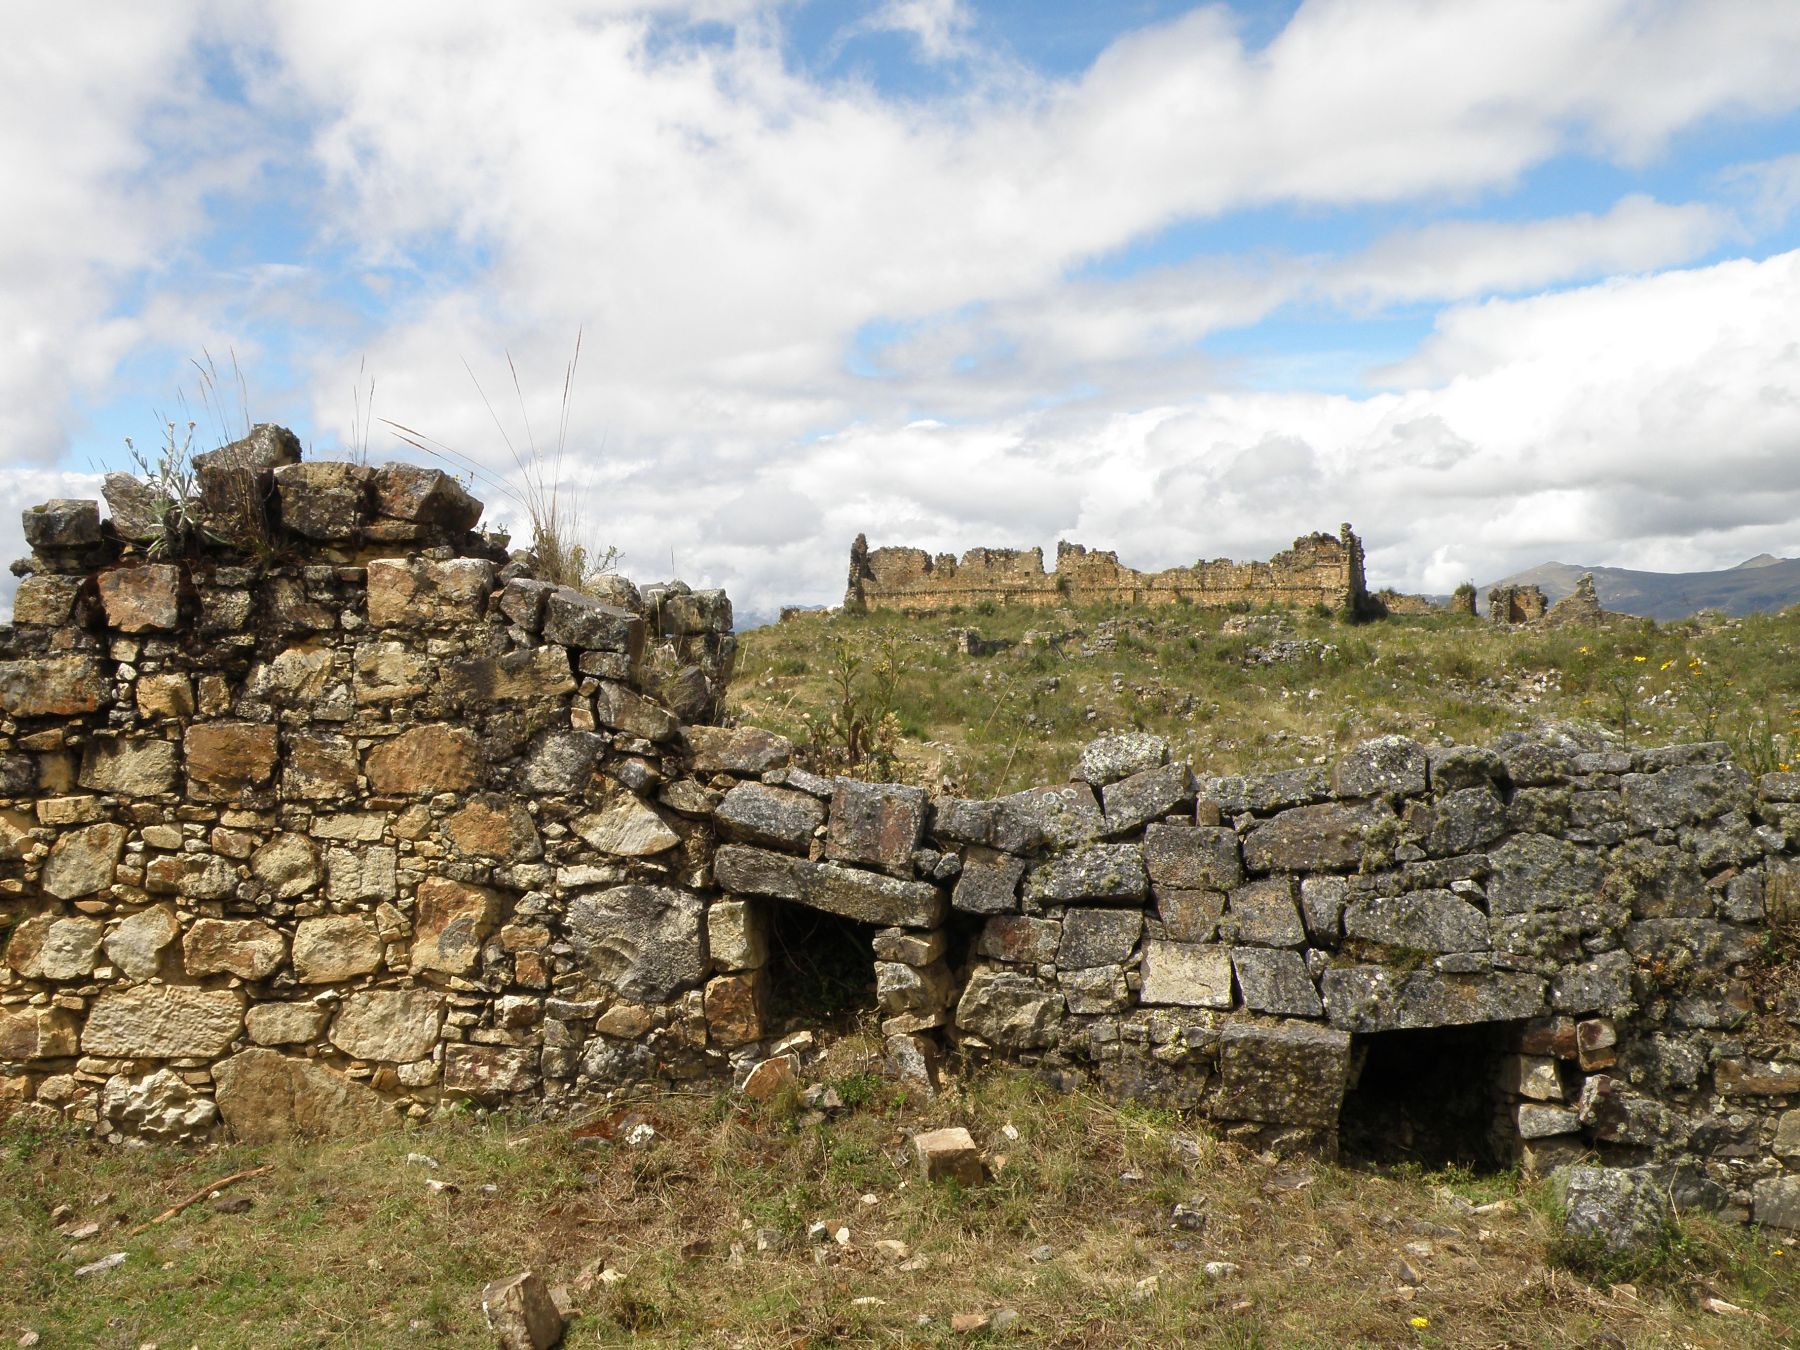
x,y
346,1244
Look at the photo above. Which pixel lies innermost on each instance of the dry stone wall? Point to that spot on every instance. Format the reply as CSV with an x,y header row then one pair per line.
x,y
375,825
1320,569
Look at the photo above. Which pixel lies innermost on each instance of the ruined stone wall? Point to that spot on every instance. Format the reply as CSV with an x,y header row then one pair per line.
x,y
1319,569
309,844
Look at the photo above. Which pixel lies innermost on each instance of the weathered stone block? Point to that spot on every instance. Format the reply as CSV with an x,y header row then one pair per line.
x,y
520,1313
46,599
1293,1074
1063,817
1421,921
1098,937
334,947
1533,872
534,675
265,1096
1265,914
1274,981
754,814
493,826
54,947
580,621
28,1033
451,922
875,823
988,883
413,593
1193,975
948,1155
248,948
163,1022
1322,838
1601,985
141,599
1619,1207
1685,795
1190,916
396,1025
1375,998
425,760
744,751
285,1023
1016,938
288,865
903,988
321,766
1009,1009
734,1009
489,1071
62,523
561,762
58,686
81,862
428,497
647,942
354,874
620,708
137,944
864,896
227,761
1146,796
165,696
1193,857
1111,758
1388,766
1775,1203
324,500
1105,872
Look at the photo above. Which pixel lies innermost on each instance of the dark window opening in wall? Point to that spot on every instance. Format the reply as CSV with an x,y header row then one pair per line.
x,y
1430,1097
821,970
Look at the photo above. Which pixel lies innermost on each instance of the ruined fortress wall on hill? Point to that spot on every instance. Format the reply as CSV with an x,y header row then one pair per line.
x,y
1320,569
367,820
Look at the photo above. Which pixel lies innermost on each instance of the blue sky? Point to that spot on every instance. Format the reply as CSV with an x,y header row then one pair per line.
x,y
1497,282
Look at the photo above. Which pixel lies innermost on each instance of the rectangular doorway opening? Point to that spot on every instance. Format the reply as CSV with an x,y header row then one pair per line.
x,y
1429,1097
821,968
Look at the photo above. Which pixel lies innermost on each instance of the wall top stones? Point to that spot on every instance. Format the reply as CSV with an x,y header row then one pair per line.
x,y
1320,569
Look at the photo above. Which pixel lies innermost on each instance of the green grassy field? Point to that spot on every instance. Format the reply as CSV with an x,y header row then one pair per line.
x,y
1254,691
345,1243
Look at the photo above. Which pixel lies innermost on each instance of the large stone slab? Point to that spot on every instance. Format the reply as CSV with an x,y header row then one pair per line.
x,y
628,828
1388,766
1112,873
396,1025
413,593
54,947
875,823
1327,837
130,768
1060,817
38,1033
778,817
81,863
865,896
248,948
163,1022
1193,857
1291,1074
1146,796
1420,921
141,599
1534,872
1275,981
451,922
226,760
1187,974
738,750
60,686
264,1096
1009,1009
647,942
1376,998
335,947
424,760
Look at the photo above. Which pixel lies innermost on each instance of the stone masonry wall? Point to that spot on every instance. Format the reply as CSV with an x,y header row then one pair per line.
x,y
374,825
1320,569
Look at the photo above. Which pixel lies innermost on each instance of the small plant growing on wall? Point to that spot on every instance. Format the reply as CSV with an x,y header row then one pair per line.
x,y
859,733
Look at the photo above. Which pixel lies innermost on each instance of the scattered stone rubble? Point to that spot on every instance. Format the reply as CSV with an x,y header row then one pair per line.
x,y
382,822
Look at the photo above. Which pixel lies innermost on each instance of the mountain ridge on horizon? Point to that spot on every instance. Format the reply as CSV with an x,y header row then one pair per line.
x,y
1762,584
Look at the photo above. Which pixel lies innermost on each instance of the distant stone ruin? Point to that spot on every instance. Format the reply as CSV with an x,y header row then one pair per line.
x,y
1320,569
1516,604
339,815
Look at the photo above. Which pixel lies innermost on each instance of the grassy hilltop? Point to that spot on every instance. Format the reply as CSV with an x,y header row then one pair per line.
x,y
1240,692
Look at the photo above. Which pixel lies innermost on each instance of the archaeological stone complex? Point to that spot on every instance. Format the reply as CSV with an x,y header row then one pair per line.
x,y
338,815
1320,569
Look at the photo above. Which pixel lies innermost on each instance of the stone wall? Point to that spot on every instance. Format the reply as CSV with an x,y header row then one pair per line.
x,y
335,837
1320,569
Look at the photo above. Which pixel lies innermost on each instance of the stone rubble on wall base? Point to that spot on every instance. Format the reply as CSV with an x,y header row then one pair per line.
x,y
400,824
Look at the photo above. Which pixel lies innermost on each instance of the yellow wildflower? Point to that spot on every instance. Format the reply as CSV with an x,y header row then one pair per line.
x,y
1421,1322
1665,665
1640,658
